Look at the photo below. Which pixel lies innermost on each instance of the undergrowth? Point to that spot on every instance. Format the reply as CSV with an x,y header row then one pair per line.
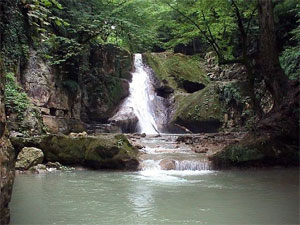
x,y
16,100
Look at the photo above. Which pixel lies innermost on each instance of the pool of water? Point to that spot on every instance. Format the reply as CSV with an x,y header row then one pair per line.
x,y
268,196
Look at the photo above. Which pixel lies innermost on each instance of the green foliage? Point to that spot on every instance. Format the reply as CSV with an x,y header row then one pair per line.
x,y
120,143
230,93
61,49
16,99
215,22
290,57
40,15
14,38
71,85
290,62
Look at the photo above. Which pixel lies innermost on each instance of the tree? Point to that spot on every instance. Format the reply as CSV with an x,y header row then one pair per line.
x,y
268,62
224,25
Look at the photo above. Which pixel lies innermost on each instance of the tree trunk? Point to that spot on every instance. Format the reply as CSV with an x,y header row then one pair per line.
x,y
268,61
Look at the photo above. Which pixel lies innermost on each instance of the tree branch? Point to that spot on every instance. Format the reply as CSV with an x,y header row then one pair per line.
x,y
251,17
211,41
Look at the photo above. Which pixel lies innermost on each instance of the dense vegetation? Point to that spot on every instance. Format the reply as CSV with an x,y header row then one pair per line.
x,y
62,29
261,35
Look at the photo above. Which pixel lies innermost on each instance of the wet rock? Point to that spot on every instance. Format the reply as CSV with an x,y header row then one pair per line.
x,y
125,119
164,91
200,150
39,168
82,134
143,135
167,164
55,165
29,157
103,128
63,125
139,146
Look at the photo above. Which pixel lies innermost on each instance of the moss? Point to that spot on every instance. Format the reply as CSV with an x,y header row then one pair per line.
x,y
200,111
201,105
260,150
175,68
100,152
115,92
240,154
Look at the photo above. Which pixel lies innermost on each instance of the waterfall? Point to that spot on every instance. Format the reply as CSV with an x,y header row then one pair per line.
x,y
141,96
142,102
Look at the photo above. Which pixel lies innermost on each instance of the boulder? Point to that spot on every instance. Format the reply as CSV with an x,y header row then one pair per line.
x,y
55,165
167,164
125,119
39,168
257,150
200,111
29,157
107,151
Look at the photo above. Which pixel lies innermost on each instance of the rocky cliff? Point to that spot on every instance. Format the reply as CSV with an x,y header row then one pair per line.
x,y
65,92
71,99
7,158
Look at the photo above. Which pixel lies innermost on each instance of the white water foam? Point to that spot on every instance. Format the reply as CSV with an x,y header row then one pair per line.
x,y
152,171
141,95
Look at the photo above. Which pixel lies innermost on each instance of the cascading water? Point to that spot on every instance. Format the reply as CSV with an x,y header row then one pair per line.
x,y
165,159
142,101
141,95
149,109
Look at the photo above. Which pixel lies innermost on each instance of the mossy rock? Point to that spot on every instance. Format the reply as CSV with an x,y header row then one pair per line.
x,y
200,111
177,69
261,150
99,152
111,152
28,157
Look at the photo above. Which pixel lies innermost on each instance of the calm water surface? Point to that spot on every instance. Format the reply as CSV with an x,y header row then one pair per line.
x,y
157,197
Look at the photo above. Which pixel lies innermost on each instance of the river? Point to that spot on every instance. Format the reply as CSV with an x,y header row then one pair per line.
x,y
265,196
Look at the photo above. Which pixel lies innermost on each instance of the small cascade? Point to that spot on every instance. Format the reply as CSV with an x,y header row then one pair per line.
x,y
150,165
163,155
192,165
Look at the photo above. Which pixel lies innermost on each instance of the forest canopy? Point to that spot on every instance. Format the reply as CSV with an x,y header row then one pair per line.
x,y
226,27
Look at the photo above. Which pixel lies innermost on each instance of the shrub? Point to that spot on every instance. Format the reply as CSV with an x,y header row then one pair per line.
x,y
16,99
